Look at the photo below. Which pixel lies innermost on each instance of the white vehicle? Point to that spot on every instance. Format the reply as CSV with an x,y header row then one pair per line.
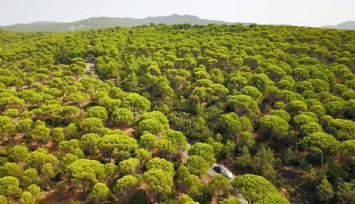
x,y
227,174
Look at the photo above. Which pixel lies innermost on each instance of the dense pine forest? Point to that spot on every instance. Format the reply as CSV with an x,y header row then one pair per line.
x,y
140,115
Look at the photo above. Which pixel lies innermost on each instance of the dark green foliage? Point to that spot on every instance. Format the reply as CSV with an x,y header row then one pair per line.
x,y
140,197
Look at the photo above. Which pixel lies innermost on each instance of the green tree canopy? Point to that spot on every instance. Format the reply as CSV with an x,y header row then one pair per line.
x,y
99,193
158,181
9,186
321,144
87,172
252,187
204,150
126,184
97,112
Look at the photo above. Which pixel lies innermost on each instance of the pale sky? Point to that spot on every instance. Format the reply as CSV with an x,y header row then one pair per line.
x,y
294,12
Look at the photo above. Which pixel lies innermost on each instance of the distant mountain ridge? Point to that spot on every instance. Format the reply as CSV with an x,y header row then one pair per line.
x,y
348,25
104,22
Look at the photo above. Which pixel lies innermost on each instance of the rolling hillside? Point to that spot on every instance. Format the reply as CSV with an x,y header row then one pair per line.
x,y
105,22
348,25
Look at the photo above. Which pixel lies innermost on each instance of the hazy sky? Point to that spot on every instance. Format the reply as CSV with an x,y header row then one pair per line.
x,y
295,12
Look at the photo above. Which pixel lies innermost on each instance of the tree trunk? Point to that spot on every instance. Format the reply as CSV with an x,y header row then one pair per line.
x,y
84,187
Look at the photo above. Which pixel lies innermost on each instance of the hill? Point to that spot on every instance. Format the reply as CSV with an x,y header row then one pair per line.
x,y
348,25
106,22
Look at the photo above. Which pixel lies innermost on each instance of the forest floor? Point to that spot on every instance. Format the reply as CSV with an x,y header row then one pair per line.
x,y
70,192
184,154
294,185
